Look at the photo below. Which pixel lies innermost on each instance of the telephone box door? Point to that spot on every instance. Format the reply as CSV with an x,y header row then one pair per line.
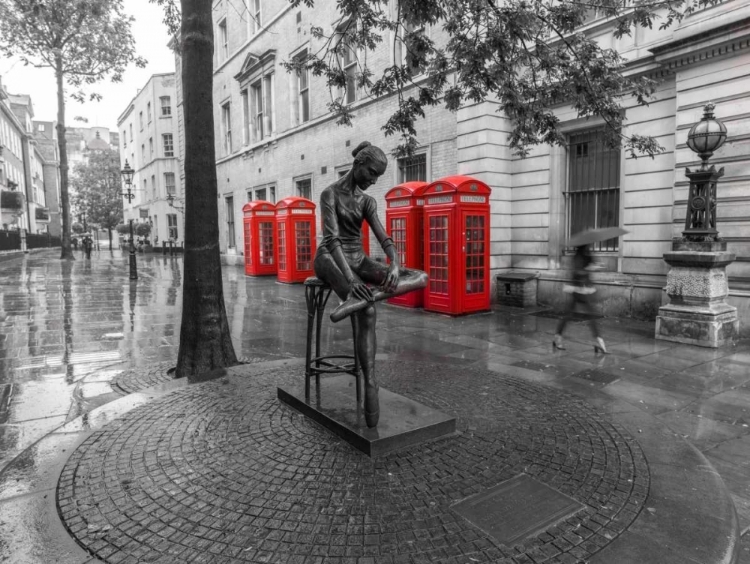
x,y
475,274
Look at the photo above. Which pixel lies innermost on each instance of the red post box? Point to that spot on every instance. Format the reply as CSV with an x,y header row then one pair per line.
x,y
457,245
404,222
295,239
259,223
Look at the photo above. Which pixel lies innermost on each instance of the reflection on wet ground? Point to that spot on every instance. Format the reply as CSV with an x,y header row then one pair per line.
x,y
68,329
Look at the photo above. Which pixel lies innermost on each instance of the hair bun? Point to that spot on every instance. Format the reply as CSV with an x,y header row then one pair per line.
x,y
359,147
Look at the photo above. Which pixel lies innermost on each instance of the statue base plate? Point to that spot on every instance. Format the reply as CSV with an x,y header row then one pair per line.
x,y
403,422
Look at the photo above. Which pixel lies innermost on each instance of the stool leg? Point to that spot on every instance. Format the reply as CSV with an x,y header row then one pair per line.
x,y
357,375
321,306
310,299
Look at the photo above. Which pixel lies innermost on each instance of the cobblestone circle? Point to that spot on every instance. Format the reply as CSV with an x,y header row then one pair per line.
x,y
138,379
221,472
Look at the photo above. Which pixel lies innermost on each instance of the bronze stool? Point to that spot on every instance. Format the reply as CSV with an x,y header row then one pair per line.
x,y
317,293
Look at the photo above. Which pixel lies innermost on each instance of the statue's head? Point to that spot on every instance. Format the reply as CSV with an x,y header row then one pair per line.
x,y
370,163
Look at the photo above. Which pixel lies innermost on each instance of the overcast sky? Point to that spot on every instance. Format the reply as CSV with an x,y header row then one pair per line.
x,y
151,40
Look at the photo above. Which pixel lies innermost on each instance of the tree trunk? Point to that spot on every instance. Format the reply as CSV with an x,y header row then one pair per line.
x,y
67,251
109,231
205,341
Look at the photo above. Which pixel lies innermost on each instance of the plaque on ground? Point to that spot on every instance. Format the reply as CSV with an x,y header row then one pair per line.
x,y
403,422
516,509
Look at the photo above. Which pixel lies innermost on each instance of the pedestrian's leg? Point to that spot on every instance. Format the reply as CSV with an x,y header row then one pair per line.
x,y
558,339
588,306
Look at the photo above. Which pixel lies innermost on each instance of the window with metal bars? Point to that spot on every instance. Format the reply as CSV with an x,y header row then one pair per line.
x,y
593,194
412,168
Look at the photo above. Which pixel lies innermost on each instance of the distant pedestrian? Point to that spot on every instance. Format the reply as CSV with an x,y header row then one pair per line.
x,y
88,243
581,292
74,240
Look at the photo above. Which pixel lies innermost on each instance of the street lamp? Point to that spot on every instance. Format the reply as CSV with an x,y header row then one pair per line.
x,y
704,138
127,177
170,201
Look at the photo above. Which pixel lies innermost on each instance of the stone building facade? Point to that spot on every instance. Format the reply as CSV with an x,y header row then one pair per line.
x,y
148,136
275,138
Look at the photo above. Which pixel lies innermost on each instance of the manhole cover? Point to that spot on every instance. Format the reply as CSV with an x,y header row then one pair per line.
x,y
516,509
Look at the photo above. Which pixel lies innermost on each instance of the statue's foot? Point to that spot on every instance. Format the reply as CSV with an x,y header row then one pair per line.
x,y
372,406
348,307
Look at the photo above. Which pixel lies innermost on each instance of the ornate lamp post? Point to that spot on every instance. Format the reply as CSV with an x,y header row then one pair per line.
x,y
127,177
704,138
697,285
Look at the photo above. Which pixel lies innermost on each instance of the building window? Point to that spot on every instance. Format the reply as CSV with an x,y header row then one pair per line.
x,y
412,168
172,225
166,106
169,182
593,194
140,119
260,194
230,221
349,64
402,49
226,128
145,188
124,139
262,108
148,110
304,188
168,145
151,147
223,41
143,153
154,187
303,92
131,132
245,117
255,19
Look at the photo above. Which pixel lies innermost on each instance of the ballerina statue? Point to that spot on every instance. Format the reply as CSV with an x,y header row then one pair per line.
x,y
358,280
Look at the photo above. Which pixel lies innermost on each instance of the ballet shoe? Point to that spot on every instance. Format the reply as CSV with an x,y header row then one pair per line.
x,y
599,346
348,307
372,406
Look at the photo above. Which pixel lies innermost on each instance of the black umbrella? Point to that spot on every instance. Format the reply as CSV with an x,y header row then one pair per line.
x,y
594,235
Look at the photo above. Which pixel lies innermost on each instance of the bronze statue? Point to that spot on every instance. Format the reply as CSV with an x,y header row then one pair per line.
x,y
357,279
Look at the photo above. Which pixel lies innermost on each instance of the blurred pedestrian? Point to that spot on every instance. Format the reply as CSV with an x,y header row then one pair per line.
x,y
581,293
74,240
88,243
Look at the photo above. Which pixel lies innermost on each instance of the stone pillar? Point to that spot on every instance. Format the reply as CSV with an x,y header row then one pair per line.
x,y
697,287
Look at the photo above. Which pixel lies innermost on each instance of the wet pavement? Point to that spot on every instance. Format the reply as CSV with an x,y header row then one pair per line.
x,y
75,337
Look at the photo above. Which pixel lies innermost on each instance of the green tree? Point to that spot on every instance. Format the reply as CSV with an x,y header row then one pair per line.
x,y
83,41
529,55
97,188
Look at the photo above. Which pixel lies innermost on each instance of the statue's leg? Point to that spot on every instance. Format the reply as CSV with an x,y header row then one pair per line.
x,y
366,347
374,273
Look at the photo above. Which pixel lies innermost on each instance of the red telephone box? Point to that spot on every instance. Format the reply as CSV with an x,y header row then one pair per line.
x,y
365,234
457,245
404,222
259,223
295,239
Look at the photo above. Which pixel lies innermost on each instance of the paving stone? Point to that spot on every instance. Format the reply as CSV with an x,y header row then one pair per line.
x,y
221,467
